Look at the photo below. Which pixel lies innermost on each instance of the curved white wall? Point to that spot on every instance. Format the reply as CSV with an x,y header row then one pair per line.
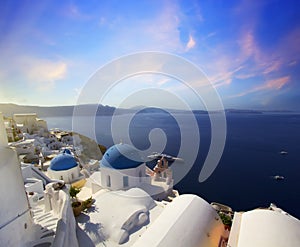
x,y
205,227
264,227
67,175
59,202
135,176
11,186
14,214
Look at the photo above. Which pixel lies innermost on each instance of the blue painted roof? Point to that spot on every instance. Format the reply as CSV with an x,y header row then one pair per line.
x,y
62,162
67,151
121,156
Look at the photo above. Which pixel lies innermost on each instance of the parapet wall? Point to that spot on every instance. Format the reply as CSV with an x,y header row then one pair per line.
x,y
59,202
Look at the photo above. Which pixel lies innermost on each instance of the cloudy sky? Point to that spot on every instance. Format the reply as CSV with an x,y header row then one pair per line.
x,y
249,50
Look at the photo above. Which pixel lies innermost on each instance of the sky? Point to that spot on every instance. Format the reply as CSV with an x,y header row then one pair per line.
x,y
248,50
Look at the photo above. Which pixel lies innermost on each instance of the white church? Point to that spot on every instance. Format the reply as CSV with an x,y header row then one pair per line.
x,y
64,167
122,168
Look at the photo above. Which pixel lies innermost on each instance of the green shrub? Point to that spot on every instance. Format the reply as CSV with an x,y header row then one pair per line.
x,y
73,192
226,219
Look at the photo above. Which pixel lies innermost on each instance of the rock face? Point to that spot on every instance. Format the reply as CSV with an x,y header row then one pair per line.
x,y
90,149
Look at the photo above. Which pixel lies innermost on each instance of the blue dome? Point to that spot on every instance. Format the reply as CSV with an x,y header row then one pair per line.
x,y
63,162
121,156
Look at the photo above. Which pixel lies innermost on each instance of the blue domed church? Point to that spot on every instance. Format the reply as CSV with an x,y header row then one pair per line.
x,y
64,167
122,168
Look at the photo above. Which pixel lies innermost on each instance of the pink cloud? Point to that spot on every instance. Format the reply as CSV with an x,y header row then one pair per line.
x,y
293,63
248,45
289,47
274,58
264,60
225,77
245,76
248,61
162,30
272,67
42,74
224,68
191,43
247,58
274,84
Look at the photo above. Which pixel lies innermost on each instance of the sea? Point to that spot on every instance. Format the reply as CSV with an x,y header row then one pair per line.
x,y
244,176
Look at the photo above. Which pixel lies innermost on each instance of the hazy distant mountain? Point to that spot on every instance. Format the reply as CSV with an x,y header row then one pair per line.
x,y
243,111
57,111
10,109
54,111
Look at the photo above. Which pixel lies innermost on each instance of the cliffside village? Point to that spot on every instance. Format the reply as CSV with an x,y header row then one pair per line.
x,y
49,176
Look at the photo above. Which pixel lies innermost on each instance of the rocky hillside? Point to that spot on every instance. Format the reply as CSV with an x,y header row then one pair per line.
x,y
91,149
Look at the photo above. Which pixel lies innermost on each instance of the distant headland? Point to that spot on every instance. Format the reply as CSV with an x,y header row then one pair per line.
x,y
104,110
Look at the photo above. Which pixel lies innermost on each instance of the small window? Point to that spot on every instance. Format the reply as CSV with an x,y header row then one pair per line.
x,y
108,184
140,176
125,181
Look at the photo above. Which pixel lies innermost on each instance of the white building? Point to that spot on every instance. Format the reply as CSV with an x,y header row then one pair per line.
x,y
64,167
264,227
24,224
29,123
31,182
122,168
13,132
24,146
14,214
